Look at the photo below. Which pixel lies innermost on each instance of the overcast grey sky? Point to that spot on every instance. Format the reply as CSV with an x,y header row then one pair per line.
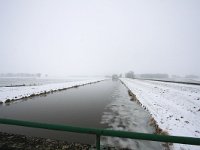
x,y
97,37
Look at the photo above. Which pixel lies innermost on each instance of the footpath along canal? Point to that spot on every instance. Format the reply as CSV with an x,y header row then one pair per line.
x,y
101,105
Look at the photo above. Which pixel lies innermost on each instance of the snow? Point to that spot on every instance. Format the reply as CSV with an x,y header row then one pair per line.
x,y
26,91
126,115
175,107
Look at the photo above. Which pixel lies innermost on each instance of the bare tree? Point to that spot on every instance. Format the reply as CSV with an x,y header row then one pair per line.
x,y
130,74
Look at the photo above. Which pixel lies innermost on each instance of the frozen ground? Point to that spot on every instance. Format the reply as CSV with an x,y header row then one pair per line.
x,y
30,81
175,107
26,91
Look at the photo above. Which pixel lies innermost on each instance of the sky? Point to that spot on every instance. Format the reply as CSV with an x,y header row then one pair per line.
x,y
100,37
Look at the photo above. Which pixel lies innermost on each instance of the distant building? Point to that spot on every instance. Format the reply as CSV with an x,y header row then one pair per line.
x,y
155,76
191,76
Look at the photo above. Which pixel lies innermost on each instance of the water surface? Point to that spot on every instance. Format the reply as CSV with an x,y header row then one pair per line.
x,y
81,106
101,105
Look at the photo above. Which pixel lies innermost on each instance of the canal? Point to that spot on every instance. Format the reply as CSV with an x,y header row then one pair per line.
x,y
101,105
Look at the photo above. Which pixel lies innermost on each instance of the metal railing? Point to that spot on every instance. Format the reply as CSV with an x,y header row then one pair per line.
x,y
104,132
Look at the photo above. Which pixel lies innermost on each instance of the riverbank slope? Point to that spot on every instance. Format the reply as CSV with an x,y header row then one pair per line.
x,y
174,106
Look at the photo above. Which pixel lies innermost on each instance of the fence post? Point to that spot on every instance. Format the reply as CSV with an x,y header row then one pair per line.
x,y
98,142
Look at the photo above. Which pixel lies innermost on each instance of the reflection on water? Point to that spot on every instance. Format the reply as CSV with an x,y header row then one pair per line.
x,y
102,105
81,106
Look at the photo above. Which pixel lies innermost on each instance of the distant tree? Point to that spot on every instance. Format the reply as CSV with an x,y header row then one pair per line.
x,y
20,75
130,74
115,77
38,75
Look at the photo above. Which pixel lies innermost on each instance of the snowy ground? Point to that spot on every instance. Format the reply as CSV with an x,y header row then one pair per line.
x,y
26,91
175,107
124,114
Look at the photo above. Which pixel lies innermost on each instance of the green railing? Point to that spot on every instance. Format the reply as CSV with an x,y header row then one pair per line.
x,y
104,132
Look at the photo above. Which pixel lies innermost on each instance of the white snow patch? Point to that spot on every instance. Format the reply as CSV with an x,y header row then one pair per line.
x,y
175,107
25,91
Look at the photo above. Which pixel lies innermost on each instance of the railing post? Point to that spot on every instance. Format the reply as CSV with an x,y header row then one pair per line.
x,y
98,142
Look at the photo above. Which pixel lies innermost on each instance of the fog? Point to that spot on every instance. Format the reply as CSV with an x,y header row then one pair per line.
x,y
100,37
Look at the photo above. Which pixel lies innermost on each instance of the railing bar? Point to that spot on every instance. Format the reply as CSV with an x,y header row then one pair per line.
x,y
105,132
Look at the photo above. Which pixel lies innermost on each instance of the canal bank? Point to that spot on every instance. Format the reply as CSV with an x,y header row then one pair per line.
x,y
21,142
102,105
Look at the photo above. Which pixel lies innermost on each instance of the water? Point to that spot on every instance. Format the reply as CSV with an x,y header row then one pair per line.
x,y
81,106
100,105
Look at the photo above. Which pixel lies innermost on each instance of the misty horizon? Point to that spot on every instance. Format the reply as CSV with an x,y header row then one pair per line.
x,y
87,38
143,75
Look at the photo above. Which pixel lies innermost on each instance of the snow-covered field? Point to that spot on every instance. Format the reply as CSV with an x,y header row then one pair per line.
x,y
175,107
26,91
